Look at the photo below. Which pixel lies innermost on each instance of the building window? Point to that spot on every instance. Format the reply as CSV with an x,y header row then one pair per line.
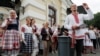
x,y
52,15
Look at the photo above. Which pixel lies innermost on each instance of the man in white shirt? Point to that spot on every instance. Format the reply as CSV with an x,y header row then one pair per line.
x,y
73,22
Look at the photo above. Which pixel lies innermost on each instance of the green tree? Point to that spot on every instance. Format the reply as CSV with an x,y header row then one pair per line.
x,y
95,22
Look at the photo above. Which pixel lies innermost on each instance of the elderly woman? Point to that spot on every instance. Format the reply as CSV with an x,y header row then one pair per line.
x,y
11,39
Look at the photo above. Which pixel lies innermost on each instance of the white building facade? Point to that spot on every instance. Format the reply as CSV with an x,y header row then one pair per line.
x,y
53,11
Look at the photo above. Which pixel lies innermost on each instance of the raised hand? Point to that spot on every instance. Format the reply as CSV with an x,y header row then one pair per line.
x,y
85,5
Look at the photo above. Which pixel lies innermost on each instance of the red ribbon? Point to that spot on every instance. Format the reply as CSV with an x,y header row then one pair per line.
x,y
76,18
73,39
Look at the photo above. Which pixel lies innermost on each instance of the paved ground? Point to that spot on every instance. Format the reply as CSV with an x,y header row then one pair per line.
x,y
97,54
51,55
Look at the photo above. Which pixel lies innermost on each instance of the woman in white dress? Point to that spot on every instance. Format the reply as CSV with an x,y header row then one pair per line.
x,y
88,44
93,36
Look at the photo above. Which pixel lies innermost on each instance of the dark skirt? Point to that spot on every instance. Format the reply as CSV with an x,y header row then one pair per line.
x,y
28,47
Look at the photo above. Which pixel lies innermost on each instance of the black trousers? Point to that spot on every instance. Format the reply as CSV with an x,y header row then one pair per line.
x,y
1,51
99,41
94,43
78,48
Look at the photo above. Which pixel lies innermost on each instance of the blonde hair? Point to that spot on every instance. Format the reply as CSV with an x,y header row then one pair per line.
x,y
13,12
73,5
46,22
28,18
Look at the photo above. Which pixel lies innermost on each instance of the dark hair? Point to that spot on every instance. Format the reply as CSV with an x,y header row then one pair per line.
x,y
27,19
54,23
32,20
90,27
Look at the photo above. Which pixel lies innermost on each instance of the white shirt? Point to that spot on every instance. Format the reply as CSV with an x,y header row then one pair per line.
x,y
47,30
85,30
27,29
54,28
13,21
70,21
55,32
92,34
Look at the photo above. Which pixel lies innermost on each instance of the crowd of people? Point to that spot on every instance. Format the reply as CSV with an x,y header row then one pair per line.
x,y
91,40
29,40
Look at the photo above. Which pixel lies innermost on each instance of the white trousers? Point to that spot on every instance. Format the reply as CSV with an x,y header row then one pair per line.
x,y
35,44
35,52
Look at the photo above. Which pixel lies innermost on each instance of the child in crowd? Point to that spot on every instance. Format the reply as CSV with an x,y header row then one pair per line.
x,y
88,44
35,38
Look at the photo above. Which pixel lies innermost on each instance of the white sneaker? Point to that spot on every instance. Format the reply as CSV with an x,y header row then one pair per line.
x,y
53,52
56,52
